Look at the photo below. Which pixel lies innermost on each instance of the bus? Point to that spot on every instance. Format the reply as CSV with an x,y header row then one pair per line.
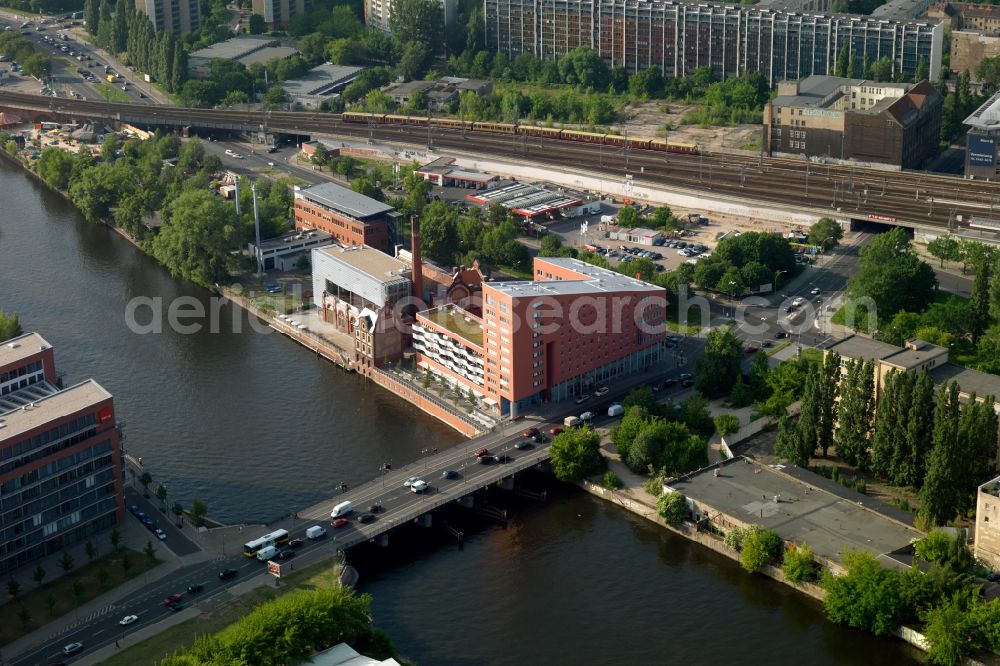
x,y
274,538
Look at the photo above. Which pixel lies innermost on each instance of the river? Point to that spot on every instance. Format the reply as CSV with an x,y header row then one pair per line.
x,y
257,426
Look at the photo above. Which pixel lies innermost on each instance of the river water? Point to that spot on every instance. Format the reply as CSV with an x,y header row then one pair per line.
x,y
257,426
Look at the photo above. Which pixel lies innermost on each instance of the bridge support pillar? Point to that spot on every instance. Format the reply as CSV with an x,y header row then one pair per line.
x,y
468,501
383,540
508,483
425,520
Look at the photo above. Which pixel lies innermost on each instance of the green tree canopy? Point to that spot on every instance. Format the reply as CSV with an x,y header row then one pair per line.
x,y
826,233
576,454
418,21
719,365
197,237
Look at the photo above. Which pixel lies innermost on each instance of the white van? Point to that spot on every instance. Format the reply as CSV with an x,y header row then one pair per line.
x,y
571,421
341,510
264,554
315,532
616,410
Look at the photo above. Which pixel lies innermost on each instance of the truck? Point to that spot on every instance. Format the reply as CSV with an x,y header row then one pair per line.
x,y
571,421
111,78
315,532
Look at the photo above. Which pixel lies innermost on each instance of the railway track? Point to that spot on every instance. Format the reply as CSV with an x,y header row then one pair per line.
x,y
915,198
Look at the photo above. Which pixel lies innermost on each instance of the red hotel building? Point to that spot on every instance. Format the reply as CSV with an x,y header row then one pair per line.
x,y
60,456
575,326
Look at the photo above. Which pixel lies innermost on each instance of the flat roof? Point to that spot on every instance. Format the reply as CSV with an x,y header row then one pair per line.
x,y
344,200
264,55
806,512
291,239
525,199
642,231
593,279
319,80
855,346
968,380
987,116
910,358
234,48
368,260
21,347
457,321
57,405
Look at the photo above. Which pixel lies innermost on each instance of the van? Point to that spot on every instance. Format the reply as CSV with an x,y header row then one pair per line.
x,y
607,219
571,421
616,410
341,510
587,417
264,554
315,532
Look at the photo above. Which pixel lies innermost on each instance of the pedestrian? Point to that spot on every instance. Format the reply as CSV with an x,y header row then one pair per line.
x,y
116,645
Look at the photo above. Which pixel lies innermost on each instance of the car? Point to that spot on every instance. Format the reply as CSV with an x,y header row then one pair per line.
x,y
523,445
751,348
289,554
173,598
72,648
160,534
501,459
229,151
134,509
555,430
365,518
419,486
194,588
173,608
582,399
780,335
270,164
687,383
766,344
142,95
656,388
541,438
295,543
410,481
788,308
815,291
340,522
449,474
375,508
128,619
530,432
226,574
601,391
484,460
481,452
669,382
684,375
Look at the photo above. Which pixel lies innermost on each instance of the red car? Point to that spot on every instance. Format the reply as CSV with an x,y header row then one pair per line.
x,y
530,432
481,452
751,349
340,522
173,599
555,430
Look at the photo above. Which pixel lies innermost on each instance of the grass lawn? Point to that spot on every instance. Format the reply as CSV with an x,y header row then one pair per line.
x,y
111,93
777,348
21,12
155,648
61,591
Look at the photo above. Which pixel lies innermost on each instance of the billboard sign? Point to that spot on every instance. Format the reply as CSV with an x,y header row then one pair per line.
x,y
274,568
981,150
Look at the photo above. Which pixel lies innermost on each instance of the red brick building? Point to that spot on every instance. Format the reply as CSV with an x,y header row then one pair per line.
x,y
60,456
351,218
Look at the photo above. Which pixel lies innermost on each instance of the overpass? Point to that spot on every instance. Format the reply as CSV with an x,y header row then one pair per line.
x,y
916,200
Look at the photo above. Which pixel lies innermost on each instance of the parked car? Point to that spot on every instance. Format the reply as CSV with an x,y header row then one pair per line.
x,y
582,399
601,391
160,534
226,574
127,620
687,383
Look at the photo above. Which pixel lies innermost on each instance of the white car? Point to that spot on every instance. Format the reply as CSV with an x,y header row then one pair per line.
x,y
127,620
160,534
814,291
72,648
229,152
419,486
410,481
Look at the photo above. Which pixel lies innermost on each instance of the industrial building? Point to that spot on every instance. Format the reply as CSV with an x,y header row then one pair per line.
x,y
854,119
437,94
320,84
680,37
283,252
177,16
61,475
246,49
351,218
277,13
443,173
536,201
572,328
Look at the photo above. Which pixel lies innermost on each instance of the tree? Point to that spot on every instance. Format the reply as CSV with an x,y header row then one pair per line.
x,y
727,424
90,549
951,629
798,565
576,454
628,217
438,228
944,248
196,238
759,547
145,479
257,25
719,365
116,538
940,494
79,591
55,166
672,507
866,597
103,577
856,413
320,156
92,16
25,616
178,511
10,327
66,561
415,60
418,21
198,511
791,445
826,233
126,563
38,575
161,494
979,302
150,552
923,70
843,61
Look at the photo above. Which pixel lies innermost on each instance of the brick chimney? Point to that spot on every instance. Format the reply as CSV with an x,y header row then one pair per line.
x,y
418,267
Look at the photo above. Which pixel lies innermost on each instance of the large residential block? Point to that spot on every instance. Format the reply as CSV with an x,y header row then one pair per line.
x,y
572,328
680,37
60,456
177,16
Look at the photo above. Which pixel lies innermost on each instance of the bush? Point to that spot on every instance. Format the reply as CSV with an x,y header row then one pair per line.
x,y
760,547
734,538
672,507
798,566
727,424
612,481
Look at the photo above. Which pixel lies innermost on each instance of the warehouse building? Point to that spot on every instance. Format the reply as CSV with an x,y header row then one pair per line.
x,y
350,218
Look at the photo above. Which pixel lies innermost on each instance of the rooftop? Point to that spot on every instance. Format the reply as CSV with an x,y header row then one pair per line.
x,y
264,55
457,321
987,116
295,238
234,48
50,407
820,91
915,353
855,346
368,260
969,380
21,347
525,199
344,200
804,512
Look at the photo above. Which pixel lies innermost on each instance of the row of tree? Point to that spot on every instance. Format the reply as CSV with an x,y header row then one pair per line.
x,y
23,52
909,435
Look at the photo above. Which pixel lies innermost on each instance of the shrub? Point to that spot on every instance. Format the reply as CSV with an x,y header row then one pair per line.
x,y
672,507
760,547
734,538
612,481
726,424
798,566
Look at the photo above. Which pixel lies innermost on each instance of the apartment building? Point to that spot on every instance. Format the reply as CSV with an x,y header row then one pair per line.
x,y
679,37
351,218
177,16
379,12
854,119
572,328
60,456
277,13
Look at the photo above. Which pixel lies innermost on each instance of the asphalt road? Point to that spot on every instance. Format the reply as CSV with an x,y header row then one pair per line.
x,y
176,540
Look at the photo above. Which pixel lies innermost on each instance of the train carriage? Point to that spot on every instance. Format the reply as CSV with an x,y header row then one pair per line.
x,y
665,146
357,117
448,123
588,137
494,128
544,132
396,119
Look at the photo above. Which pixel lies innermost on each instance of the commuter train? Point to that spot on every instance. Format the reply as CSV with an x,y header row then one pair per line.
x,y
659,145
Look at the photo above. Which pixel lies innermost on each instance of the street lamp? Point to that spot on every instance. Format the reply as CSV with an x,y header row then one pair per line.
x,y
732,295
